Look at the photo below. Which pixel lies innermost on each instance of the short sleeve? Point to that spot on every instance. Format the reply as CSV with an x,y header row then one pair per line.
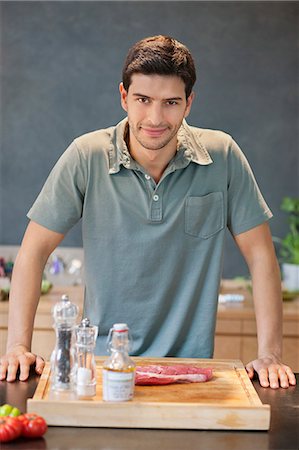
x,y
246,205
59,204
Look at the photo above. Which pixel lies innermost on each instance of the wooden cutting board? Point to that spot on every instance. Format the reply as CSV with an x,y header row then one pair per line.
x,y
227,402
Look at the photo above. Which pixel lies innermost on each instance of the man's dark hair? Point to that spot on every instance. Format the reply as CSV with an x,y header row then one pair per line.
x,y
160,55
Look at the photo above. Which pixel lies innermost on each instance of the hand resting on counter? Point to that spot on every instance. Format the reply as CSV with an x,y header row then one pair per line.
x,y
271,372
19,359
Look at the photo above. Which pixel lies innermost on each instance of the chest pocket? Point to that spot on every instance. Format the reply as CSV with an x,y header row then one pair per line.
x,y
204,216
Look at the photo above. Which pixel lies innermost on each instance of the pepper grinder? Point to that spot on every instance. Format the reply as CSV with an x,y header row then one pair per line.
x,y
63,359
86,335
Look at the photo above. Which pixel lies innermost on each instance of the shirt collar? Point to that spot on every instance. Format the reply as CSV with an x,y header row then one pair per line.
x,y
189,149
190,143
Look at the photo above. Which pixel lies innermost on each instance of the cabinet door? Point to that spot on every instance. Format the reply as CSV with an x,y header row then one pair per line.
x,y
291,352
3,339
43,343
249,348
228,339
227,347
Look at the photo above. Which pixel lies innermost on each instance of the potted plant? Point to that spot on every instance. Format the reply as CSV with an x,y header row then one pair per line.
x,y
289,250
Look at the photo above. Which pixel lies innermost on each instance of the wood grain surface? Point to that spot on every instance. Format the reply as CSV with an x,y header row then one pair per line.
x,y
227,401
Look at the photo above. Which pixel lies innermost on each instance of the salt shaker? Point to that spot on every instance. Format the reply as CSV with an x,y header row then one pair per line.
x,y
86,335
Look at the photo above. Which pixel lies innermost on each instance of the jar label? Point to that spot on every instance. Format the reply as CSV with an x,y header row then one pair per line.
x,y
118,386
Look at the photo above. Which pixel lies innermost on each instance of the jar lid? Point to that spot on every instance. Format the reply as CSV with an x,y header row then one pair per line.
x,y
120,327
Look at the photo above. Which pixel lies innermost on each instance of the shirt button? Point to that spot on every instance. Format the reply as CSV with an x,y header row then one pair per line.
x,y
147,176
155,197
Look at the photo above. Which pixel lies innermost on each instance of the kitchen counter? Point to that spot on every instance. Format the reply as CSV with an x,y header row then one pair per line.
x,y
235,330
283,433
236,335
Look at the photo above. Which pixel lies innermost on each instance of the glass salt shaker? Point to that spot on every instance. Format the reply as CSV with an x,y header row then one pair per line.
x,y
86,336
63,359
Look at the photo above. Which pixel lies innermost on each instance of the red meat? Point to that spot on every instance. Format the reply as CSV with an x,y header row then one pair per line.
x,y
157,375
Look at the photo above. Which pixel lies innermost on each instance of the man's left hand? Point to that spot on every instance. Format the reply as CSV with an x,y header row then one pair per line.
x,y
271,372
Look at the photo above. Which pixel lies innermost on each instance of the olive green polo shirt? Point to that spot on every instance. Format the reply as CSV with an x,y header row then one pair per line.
x,y
153,251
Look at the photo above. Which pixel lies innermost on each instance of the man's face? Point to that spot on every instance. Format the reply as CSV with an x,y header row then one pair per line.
x,y
156,106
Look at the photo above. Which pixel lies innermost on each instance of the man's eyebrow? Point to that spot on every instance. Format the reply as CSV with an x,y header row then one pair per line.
x,y
146,96
174,98
140,95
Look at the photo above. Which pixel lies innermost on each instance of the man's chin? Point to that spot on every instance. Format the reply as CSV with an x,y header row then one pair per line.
x,y
154,143
153,147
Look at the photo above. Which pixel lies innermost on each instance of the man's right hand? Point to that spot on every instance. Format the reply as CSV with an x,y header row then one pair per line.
x,y
37,245
19,357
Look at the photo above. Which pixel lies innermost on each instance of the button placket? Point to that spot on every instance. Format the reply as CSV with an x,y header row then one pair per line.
x,y
156,213
155,198
150,183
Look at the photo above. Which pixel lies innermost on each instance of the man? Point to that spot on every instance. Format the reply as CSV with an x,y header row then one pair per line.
x,y
155,197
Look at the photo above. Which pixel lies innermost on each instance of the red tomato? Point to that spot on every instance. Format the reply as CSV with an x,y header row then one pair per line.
x,y
10,428
32,425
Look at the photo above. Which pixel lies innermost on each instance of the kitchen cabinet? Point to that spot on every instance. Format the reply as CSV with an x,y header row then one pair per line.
x,y
235,330
43,340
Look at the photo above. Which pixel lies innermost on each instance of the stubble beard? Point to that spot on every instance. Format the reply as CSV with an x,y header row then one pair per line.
x,y
152,143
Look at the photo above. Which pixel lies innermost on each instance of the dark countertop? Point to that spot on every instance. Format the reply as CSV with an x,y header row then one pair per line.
x,y
283,433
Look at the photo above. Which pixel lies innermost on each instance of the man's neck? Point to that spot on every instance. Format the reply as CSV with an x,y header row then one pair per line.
x,y
153,161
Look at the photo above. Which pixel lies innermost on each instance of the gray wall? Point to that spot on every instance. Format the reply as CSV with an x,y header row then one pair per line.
x,y
61,65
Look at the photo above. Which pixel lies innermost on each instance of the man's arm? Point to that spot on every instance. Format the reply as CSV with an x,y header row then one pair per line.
x,y
37,245
258,250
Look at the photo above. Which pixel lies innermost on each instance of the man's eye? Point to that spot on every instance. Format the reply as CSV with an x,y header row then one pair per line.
x,y
171,102
143,100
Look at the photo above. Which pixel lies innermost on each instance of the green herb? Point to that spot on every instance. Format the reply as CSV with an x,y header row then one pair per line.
x,y
290,243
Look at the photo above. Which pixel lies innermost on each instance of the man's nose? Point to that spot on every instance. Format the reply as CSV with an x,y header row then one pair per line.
x,y
155,114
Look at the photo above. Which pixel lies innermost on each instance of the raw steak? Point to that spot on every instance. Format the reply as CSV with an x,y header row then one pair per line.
x,y
154,374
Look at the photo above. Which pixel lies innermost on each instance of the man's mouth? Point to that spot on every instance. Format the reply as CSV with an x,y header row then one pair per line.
x,y
153,132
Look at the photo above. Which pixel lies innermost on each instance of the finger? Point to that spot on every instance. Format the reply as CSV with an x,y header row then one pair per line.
x,y
263,377
250,370
24,370
39,364
290,375
3,369
12,368
283,377
273,377
25,361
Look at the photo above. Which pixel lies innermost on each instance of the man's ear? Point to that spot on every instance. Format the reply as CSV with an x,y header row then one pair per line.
x,y
123,96
189,104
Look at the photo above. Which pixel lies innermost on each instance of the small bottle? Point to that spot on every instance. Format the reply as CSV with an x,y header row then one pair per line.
x,y
63,359
118,369
86,368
